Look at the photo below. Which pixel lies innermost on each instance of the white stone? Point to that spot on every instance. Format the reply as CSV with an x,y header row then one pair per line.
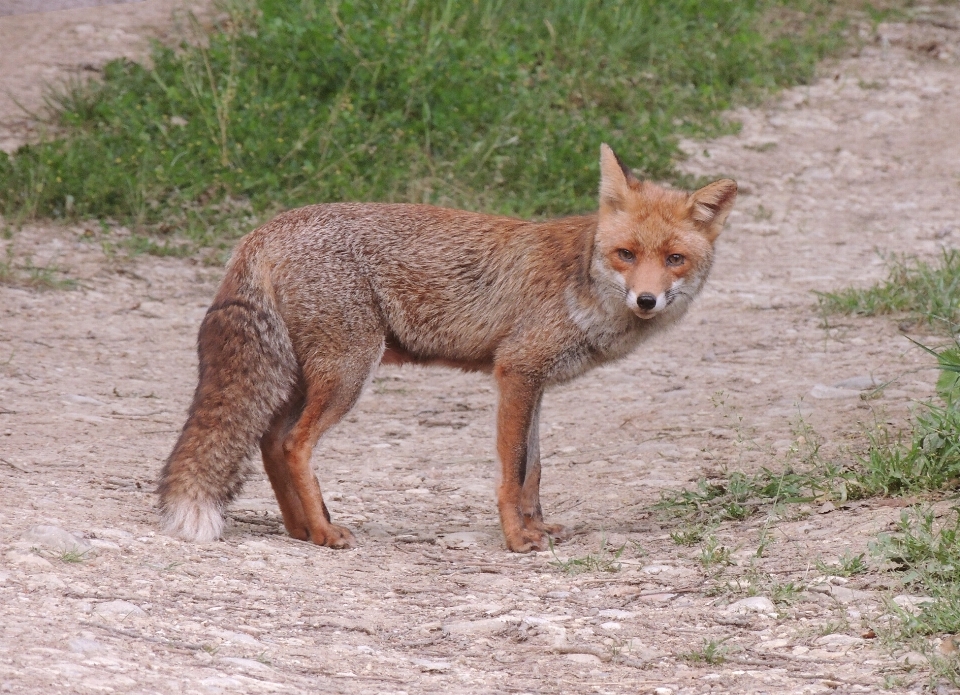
x,y
461,539
615,613
221,684
824,392
84,400
912,659
239,638
659,569
120,608
611,626
754,604
246,664
861,383
839,640
109,546
586,659
46,580
29,561
56,539
911,602
430,665
480,627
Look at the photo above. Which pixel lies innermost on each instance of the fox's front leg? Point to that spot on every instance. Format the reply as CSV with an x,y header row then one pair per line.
x,y
530,490
519,401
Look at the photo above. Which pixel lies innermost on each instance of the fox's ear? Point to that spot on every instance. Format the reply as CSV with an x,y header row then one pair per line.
x,y
615,179
710,206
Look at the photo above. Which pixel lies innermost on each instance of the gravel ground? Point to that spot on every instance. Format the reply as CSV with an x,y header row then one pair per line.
x,y
95,381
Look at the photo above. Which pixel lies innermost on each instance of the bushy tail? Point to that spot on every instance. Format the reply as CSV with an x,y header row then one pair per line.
x,y
247,372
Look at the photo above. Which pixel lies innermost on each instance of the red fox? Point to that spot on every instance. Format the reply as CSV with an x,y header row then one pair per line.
x,y
315,299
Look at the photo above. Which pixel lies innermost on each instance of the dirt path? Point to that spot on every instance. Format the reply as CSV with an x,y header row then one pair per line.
x,y
94,384
49,48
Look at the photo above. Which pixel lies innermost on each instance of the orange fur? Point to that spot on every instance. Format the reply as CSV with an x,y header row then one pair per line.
x,y
313,300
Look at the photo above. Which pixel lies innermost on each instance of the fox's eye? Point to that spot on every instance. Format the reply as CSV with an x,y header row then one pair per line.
x,y
626,255
675,259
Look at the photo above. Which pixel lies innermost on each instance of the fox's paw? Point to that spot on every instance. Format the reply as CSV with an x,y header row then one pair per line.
x,y
557,532
333,536
527,540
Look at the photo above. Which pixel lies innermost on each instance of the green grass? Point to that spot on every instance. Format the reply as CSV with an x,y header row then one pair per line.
x,y
921,291
927,457
489,105
925,552
713,554
847,566
23,272
604,560
73,556
712,651
739,495
924,460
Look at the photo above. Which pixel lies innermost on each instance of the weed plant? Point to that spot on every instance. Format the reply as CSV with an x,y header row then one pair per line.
x,y
925,292
926,552
711,651
605,560
928,461
487,105
931,458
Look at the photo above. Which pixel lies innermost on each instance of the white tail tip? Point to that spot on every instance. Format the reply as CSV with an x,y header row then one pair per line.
x,y
192,520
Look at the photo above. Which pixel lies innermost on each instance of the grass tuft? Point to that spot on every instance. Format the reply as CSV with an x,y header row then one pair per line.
x,y
924,292
925,552
711,651
605,560
846,566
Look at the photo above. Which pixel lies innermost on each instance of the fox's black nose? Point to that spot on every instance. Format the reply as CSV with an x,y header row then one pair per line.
x,y
647,301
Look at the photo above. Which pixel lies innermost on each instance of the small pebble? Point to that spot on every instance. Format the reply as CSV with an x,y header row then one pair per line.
x,y
119,608
754,604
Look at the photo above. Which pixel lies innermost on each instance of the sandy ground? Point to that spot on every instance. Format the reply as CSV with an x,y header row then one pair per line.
x,y
94,383
41,50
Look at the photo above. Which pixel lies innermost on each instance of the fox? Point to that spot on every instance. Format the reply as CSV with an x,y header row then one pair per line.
x,y
315,299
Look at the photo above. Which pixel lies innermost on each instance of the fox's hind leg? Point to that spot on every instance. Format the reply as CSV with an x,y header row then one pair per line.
x,y
275,464
332,390
530,491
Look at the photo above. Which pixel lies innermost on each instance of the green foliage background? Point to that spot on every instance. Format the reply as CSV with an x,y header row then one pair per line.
x,y
496,105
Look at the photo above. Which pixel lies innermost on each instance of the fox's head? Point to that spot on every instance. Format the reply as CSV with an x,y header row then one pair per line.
x,y
653,244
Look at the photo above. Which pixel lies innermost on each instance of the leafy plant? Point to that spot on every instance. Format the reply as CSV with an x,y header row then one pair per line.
x,y
712,553
712,651
925,552
847,566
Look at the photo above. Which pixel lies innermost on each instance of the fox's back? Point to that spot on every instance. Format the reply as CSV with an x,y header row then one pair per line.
x,y
447,283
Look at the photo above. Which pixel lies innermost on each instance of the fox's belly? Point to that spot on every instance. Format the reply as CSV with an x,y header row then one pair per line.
x,y
396,354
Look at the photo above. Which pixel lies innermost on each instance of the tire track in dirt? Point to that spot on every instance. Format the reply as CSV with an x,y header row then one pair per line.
x,y
94,384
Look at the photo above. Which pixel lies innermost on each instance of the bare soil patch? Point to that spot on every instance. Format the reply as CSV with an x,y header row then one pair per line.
x,y
45,49
94,384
